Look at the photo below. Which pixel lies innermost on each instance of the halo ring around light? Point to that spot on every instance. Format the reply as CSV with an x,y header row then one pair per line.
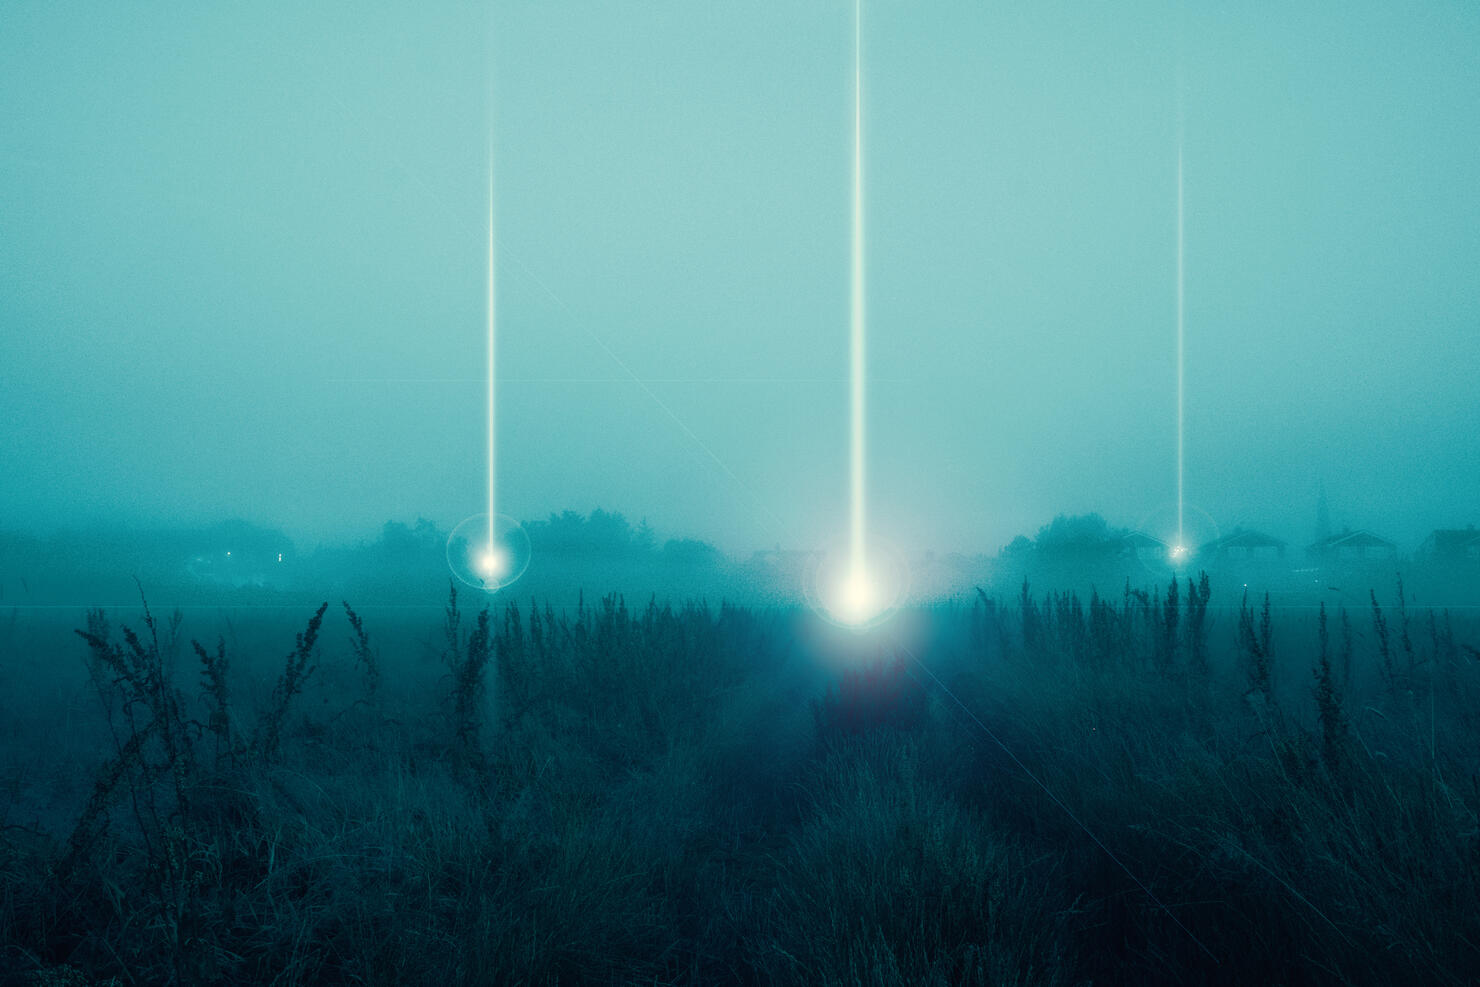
x,y
485,557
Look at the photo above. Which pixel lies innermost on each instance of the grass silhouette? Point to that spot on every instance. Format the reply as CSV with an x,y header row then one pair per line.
x,y
691,795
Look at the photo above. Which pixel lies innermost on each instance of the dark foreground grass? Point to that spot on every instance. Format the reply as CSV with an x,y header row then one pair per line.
x,y
1057,791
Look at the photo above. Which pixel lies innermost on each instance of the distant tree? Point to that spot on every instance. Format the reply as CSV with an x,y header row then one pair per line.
x,y
1078,534
690,551
644,539
428,533
609,531
1018,547
561,532
1075,529
604,533
398,543
401,544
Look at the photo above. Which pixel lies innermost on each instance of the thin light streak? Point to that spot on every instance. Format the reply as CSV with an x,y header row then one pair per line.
x,y
857,363
480,380
1181,304
405,168
83,606
492,364
1181,352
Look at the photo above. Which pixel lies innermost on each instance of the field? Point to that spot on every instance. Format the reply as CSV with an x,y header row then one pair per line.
x,y
1167,786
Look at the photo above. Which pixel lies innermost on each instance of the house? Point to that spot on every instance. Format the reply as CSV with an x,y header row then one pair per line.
x,y
1352,546
1139,545
1243,546
1451,545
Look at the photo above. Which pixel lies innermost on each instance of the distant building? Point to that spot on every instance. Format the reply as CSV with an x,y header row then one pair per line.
x,y
1243,546
1352,546
1451,545
1140,545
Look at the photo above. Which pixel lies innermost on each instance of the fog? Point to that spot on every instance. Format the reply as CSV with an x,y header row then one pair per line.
x,y
1120,641
241,274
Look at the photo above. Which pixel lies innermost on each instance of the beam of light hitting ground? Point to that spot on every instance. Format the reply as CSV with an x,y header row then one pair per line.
x,y
491,563
1179,551
489,551
872,581
857,549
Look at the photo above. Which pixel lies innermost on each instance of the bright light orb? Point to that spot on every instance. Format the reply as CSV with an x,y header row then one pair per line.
x,y
488,556
493,563
854,596
1178,548
857,601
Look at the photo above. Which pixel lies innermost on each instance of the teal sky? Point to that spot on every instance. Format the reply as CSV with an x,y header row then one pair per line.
x,y
241,264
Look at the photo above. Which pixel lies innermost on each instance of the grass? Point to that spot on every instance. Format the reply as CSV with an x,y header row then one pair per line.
x,y
1132,790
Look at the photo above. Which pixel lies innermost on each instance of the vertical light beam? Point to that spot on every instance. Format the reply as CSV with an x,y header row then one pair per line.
x,y
1181,350
857,365
492,318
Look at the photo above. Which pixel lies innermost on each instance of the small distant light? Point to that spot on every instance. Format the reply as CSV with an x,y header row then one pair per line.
x,y
280,556
228,553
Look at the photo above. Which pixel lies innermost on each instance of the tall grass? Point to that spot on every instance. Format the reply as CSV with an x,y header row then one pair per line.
x,y
1124,790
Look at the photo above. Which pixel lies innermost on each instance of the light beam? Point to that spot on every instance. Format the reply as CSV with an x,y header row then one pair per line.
x,y
862,584
858,558
492,316
872,580
1181,352
489,551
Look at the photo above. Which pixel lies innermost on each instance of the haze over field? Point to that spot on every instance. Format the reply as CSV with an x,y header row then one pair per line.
x,y
739,493
242,267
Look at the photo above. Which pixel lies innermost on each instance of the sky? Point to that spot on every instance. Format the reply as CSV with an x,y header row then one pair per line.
x,y
242,264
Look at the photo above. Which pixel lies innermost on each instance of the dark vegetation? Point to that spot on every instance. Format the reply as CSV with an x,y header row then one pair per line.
x,y
403,563
1159,787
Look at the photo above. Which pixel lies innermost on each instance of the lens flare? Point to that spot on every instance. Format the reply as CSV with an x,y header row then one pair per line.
x,y
488,557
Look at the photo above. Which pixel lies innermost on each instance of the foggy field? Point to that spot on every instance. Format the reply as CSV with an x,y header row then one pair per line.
x,y
1032,791
754,493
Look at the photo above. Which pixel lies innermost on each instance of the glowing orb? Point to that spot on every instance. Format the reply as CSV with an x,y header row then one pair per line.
x,y
1197,527
488,557
857,599
857,596
493,564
